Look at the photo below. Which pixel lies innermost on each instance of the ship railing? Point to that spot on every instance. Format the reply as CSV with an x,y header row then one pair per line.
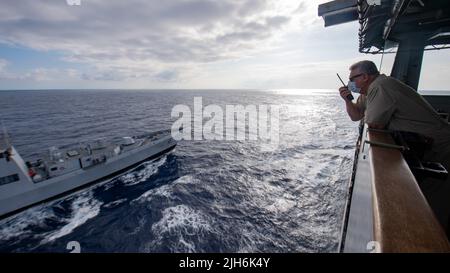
x,y
402,219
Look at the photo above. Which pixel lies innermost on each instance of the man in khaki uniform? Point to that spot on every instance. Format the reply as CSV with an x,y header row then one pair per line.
x,y
387,103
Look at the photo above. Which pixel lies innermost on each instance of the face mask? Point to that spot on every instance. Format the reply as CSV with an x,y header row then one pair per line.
x,y
352,87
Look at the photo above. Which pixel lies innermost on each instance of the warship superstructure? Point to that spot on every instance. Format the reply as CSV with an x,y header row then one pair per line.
x,y
64,170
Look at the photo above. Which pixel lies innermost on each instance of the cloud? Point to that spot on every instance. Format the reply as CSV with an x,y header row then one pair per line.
x,y
144,38
36,74
168,75
3,64
4,73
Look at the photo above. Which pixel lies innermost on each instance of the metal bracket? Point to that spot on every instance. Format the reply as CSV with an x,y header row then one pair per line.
x,y
379,130
387,145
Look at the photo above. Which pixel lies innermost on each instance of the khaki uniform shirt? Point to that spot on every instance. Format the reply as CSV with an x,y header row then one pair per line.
x,y
361,102
393,104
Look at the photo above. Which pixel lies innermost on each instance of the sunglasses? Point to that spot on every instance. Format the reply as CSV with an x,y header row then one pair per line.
x,y
354,77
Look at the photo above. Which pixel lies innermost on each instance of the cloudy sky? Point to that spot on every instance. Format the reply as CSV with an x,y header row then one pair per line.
x,y
256,44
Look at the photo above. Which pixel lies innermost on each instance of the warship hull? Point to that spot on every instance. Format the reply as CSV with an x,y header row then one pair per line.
x,y
23,194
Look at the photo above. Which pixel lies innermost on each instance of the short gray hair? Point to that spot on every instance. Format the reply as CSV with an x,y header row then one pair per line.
x,y
365,66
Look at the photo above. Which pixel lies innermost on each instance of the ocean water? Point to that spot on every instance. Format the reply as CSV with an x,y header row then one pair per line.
x,y
206,195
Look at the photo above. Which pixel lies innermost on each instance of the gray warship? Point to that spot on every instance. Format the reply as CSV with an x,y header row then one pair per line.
x,y
67,169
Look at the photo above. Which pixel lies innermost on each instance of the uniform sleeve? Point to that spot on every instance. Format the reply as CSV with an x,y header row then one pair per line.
x,y
380,106
361,103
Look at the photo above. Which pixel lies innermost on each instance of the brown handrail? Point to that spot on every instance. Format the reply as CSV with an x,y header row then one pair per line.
x,y
403,220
